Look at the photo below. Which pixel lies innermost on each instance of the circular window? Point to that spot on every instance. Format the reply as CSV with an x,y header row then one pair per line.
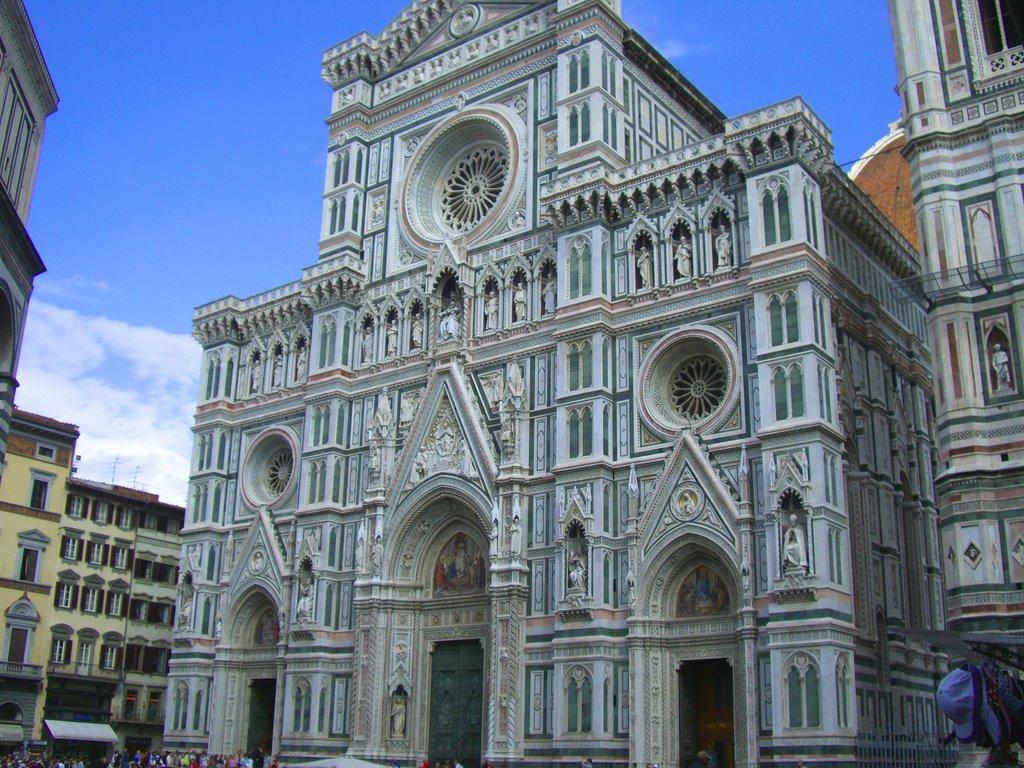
x,y
687,381
698,386
473,186
461,177
268,471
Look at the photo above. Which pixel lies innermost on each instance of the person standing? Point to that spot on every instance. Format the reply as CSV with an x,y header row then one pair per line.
x,y
703,760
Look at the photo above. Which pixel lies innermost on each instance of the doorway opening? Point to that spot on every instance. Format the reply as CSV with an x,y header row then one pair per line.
x,y
456,703
706,712
262,696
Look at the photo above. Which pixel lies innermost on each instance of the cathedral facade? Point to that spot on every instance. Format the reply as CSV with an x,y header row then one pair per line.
x,y
601,427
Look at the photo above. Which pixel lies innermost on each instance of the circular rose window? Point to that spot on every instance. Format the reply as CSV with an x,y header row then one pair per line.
x,y
268,471
698,386
687,381
473,186
462,176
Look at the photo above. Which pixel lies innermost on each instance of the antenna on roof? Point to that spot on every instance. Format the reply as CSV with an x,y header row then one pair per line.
x,y
113,469
135,478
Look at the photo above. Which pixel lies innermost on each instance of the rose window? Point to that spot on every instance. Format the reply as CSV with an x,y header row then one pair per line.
x,y
473,187
268,470
698,387
279,471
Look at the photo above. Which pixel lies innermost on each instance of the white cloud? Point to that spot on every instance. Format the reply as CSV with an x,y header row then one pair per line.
x,y
130,389
77,286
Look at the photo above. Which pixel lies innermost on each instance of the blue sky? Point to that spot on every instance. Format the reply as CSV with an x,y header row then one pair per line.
x,y
185,163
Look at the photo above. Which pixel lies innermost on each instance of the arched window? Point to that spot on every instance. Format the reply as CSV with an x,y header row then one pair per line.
x,y
796,389
775,213
842,692
579,269
579,702
604,71
336,482
317,482
197,712
811,216
206,617
585,122
216,503
615,127
792,318
775,321
586,431
779,386
332,547
574,434
783,319
574,73
574,127
327,341
180,706
222,449
211,563
333,226
337,169
585,69
355,211
344,166
228,377
321,709
212,372
803,693
359,164
329,606
580,365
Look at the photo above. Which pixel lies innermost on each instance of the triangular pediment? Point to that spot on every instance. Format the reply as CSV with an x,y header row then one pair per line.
x,y
447,437
692,497
259,559
425,29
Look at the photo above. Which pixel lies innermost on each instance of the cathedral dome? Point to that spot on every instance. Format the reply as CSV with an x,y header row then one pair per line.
x,y
883,174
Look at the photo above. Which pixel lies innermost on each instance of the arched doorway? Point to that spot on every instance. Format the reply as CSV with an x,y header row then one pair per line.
x,y
255,631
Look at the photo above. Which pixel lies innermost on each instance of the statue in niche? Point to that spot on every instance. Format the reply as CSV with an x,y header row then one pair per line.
x,y
186,597
408,406
398,705
515,387
630,586
367,343
307,590
382,420
794,546
684,256
376,555
391,338
1000,360
723,246
255,374
416,333
645,267
509,432
518,301
277,368
300,362
549,295
577,572
490,308
448,327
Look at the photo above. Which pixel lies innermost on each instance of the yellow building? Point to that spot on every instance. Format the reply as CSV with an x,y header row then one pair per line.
x,y
32,497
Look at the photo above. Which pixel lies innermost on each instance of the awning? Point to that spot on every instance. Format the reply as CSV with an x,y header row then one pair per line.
x,y
11,732
72,731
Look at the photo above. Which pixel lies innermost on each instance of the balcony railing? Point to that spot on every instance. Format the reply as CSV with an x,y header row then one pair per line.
x,y
75,669
151,715
18,669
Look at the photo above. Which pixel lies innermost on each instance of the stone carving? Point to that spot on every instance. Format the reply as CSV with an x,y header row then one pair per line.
x,y
416,333
255,374
407,410
304,606
186,597
490,310
578,572
376,555
645,267
367,344
300,363
794,547
1000,360
391,338
684,257
449,328
443,448
382,421
515,387
549,295
398,706
723,247
277,368
518,302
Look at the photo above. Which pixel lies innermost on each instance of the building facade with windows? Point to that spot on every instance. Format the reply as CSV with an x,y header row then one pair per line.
x,y
113,609
28,98
961,79
39,461
600,426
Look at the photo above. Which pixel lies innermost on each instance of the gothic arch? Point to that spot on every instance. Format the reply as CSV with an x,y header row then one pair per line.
x,y
245,625
665,572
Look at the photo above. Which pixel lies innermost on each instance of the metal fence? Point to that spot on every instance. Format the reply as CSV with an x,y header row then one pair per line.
x,y
894,751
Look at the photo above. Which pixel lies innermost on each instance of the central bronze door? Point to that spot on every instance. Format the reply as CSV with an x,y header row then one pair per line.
x,y
456,703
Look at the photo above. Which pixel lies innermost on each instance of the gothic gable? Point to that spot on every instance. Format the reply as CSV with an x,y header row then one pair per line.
x,y
447,437
692,497
259,559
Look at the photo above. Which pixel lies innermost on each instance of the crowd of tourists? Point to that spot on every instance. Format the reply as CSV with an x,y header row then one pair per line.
x,y
127,759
